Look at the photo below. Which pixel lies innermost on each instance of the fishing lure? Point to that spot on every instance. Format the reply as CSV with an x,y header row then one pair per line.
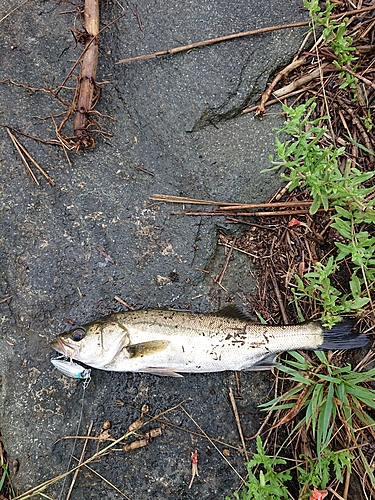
x,y
71,369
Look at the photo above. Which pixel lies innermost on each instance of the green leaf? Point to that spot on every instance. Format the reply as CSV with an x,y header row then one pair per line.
x,y
315,206
4,476
344,213
290,395
361,393
312,411
359,302
326,416
344,250
360,146
355,285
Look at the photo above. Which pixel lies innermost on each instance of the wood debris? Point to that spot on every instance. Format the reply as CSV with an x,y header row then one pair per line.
x,y
146,439
85,94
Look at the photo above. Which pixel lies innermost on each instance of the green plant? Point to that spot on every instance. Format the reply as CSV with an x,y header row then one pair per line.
x,y
327,400
357,249
310,166
323,393
4,475
5,480
367,120
267,483
334,34
307,164
316,474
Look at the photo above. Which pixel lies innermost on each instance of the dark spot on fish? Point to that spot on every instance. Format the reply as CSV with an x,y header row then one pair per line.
x,y
183,349
256,345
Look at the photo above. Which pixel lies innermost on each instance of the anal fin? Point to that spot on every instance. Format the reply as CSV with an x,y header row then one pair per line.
x,y
162,372
267,363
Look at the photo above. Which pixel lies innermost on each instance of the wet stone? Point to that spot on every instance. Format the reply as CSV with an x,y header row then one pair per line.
x,y
177,117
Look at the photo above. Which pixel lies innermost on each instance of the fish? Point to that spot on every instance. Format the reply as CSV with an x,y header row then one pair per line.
x,y
169,342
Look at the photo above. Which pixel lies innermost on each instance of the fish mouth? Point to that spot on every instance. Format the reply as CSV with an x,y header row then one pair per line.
x,y
63,348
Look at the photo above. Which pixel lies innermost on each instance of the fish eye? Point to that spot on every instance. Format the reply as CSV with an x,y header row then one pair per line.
x,y
78,334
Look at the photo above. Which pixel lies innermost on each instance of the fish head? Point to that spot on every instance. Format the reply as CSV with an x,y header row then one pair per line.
x,y
95,344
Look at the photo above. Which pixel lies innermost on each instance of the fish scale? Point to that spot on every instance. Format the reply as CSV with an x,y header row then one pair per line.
x,y
173,342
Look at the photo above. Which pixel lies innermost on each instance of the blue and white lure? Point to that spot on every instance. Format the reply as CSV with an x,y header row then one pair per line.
x,y
71,369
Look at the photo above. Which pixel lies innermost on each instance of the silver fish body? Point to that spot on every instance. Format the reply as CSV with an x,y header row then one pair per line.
x,y
173,342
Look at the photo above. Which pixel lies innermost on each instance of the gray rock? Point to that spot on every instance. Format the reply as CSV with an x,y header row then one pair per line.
x,y
179,118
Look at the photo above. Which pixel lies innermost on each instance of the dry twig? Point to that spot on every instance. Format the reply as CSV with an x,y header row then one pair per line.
x,y
238,422
233,36
79,462
22,151
87,79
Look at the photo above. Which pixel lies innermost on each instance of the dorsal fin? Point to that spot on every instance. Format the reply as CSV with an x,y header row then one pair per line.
x,y
233,311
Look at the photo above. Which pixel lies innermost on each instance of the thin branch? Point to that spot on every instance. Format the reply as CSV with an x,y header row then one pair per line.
x,y
13,10
234,36
79,461
24,161
224,205
279,213
238,422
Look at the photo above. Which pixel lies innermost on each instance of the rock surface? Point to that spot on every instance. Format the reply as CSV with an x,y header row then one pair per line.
x,y
179,118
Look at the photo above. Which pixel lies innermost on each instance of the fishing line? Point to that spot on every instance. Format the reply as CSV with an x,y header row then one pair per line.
x,y
85,384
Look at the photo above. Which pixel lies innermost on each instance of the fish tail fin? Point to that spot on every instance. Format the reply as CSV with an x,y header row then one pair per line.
x,y
342,336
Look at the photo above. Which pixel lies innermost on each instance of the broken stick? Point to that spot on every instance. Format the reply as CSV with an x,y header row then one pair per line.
x,y
87,78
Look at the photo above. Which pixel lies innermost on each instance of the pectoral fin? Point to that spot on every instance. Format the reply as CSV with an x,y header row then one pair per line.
x,y
266,363
162,372
146,348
